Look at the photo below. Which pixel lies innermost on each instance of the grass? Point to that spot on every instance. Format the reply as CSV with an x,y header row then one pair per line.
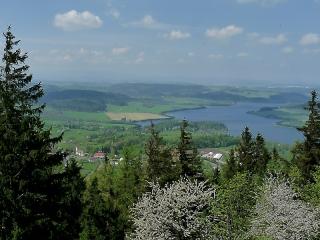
x,y
88,167
134,116
166,105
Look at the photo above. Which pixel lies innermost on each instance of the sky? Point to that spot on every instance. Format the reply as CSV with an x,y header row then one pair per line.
x,y
225,42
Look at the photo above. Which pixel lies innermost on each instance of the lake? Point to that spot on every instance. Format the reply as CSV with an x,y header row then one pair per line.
x,y
236,117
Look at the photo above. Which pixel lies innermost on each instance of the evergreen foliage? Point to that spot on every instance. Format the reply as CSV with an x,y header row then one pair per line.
x,y
250,155
98,218
160,165
245,151
71,208
261,155
230,168
31,182
307,154
190,162
233,205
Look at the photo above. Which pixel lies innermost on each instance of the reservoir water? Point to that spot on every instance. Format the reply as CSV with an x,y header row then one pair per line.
x,y
236,118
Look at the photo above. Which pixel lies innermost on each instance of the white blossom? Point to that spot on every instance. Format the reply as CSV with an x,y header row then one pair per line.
x,y
173,212
280,214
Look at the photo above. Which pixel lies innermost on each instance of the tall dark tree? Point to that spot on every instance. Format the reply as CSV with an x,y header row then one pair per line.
x,y
307,154
261,155
30,181
230,168
99,216
72,206
188,154
160,165
245,151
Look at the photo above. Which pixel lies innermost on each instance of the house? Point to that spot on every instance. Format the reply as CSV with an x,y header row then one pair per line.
x,y
98,156
212,156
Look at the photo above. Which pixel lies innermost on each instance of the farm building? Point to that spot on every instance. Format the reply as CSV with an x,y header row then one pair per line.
x,y
212,155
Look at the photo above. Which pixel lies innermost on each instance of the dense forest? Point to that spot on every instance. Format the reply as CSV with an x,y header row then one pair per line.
x,y
160,189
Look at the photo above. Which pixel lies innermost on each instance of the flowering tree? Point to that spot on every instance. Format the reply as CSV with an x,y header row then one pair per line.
x,y
279,213
176,211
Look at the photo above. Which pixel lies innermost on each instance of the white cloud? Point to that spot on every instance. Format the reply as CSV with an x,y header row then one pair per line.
x,y
242,54
287,50
262,2
223,33
215,56
177,35
149,22
277,40
191,54
119,51
73,20
309,39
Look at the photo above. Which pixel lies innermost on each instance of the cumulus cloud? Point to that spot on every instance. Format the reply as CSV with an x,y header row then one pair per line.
x,y
177,35
261,2
309,39
224,33
149,22
277,40
119,51
73,20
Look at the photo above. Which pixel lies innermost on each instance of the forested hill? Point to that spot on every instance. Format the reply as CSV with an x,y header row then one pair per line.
x,y
221,93
157,90
83,100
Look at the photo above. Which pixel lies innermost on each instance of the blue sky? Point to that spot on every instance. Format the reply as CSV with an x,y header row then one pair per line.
x,y
239,42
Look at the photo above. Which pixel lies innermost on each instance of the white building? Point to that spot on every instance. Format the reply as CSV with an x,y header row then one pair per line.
x,y
212,156
79,152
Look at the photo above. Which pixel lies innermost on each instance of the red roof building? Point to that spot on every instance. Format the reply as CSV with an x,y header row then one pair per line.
x,y
98,156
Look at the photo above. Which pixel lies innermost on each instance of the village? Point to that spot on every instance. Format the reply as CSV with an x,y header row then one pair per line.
x,y
207,154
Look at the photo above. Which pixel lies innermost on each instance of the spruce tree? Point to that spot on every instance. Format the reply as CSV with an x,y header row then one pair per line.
x,y
307,154
71,209
261,156
30,181
188,154
152,150
99,217
159,159
230,168
245,151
